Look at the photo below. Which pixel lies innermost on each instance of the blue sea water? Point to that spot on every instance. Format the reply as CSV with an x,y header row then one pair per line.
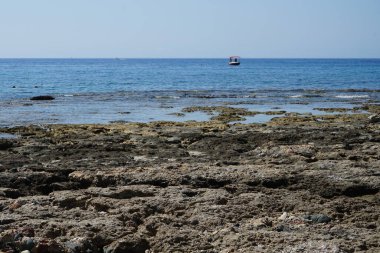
x,y
105,90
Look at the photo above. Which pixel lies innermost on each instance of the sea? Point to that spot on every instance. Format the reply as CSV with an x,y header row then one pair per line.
x,y
90,91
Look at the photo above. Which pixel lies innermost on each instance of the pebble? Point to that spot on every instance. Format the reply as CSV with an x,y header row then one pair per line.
x,y
173,140
282,228
28,243
318,218
375,118
261,222
283,216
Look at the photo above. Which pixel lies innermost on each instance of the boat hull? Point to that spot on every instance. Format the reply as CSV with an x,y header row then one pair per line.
x,y
234,63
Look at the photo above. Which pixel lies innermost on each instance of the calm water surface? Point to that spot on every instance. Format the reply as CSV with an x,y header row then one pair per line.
x,y
104,90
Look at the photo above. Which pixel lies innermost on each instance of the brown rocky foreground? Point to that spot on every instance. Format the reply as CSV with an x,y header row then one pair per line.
x,y
298,184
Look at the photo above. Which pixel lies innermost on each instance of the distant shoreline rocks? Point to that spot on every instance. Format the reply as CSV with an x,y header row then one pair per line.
x,y
42,98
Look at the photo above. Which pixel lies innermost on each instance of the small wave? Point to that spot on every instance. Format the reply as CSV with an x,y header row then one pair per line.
x,y
312,96
358,90
352,96
167,97
68,95
306,96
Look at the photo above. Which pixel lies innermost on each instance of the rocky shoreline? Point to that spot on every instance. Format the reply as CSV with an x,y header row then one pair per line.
x,y
296,184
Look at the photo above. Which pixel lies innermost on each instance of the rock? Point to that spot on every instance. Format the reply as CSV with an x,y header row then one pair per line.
x,y
129,244
9,193
67,199
123,192
173,140
375,118
262,222
80,244
6,237
318,218
124,188
196,153
283,216
26,243
177,114
42,98
82,177
5,144
356,190
48,246
282,228
5,221
17,204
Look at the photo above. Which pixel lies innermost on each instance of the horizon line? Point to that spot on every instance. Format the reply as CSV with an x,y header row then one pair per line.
x,y
190,58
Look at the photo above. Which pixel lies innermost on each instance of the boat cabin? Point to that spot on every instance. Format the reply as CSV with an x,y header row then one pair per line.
x,y
234,60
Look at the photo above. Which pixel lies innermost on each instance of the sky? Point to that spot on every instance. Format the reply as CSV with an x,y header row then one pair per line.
x,y
189,28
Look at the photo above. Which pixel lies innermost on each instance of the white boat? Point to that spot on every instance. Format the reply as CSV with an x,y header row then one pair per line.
x,y
234,60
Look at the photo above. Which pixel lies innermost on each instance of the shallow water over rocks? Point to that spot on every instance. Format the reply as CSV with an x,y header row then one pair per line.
x,y
7,136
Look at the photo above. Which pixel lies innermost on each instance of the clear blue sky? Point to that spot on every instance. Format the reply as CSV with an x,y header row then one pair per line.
x,y
190,28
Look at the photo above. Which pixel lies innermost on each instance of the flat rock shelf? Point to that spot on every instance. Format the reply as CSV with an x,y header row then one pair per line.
x,y
295,184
